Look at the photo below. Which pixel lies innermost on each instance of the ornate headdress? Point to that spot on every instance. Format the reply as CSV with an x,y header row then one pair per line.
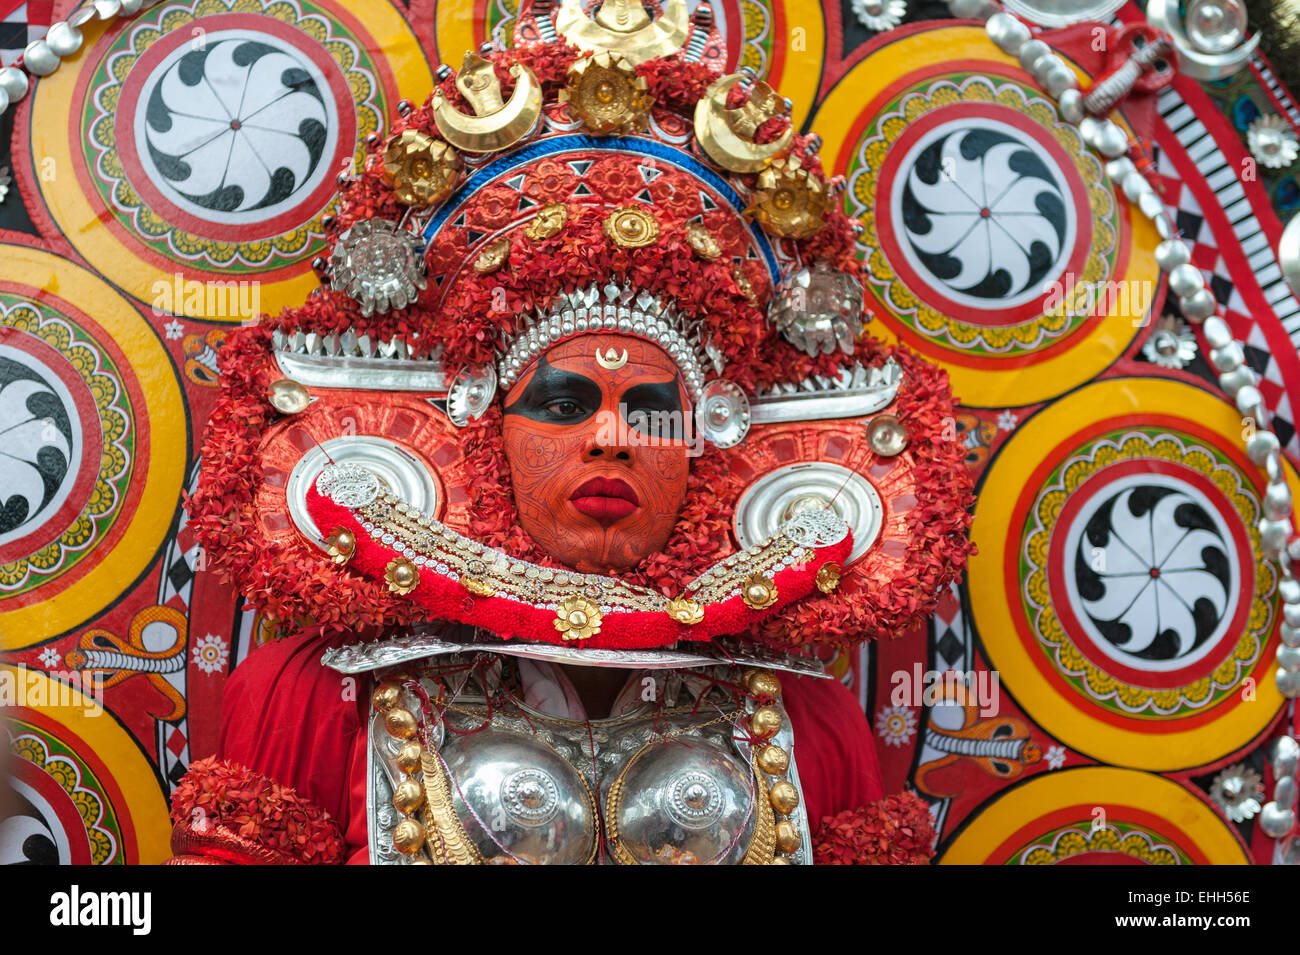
x,y
599,175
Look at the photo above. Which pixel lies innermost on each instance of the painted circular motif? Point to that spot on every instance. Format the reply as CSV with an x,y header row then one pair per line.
x,y
1095,816
1119,586
205,138
87,792
79,428
992,240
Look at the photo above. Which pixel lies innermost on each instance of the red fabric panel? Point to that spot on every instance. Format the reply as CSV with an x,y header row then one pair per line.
x,y
285,715
833,748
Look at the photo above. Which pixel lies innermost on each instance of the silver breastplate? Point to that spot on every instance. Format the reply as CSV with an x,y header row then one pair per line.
x,y
682,779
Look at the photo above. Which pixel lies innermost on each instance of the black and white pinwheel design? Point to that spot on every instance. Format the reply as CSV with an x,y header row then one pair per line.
x,y
1153,572
236,126
984,214
35,445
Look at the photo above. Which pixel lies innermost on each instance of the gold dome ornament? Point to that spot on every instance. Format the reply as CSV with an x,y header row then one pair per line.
x,y
828,577
702,242
605,94
287,396
400,723
401,575
387,695
631,228
341,544
623,26
787,837
764,684
685,610
790,201
496,123
727,135
408,837
493,257
408,796
577,618
422,170
784,797
758,592
550,219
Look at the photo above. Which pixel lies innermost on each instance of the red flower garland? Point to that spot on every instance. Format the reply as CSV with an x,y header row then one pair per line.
x,y
896,830
257,808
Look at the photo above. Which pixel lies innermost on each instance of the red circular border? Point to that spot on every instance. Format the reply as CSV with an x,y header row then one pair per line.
x,y
1058,589
133,169
889,243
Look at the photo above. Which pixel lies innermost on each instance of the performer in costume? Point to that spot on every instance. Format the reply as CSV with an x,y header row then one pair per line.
x,y
560,486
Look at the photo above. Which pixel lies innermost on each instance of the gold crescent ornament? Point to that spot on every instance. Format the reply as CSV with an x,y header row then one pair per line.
x,y
496,123
611,360
623,26
727,135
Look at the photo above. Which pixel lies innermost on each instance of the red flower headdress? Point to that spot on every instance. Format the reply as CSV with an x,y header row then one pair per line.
x,y
692,191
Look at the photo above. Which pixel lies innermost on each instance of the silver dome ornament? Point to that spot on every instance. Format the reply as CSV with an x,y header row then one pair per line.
x,y
1071,107
880,15
1239,792
1205,28
887,435
1276,821
1284,756
1198,306
1288,683
1171,345
1008,33
722,414
379,265
1272,142
470,394
348,485
1215,26
818,309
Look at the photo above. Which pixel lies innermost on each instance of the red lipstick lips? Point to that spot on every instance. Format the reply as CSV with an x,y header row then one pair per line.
x,y
606,500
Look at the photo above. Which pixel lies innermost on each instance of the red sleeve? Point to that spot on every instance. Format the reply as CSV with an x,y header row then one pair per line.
x,y
290,718
833,748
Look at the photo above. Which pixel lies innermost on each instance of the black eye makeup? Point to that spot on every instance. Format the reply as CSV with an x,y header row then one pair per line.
x,y
556,396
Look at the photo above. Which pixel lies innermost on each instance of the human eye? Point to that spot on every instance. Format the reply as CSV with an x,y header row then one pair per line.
x,y
563,408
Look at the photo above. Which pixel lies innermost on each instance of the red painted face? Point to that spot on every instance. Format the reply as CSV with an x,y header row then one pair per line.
x,y
594,433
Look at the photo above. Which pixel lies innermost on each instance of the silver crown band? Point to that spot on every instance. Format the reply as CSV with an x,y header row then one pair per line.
x,y
618,310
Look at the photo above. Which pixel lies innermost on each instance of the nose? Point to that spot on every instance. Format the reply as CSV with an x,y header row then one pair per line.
x,y
610,441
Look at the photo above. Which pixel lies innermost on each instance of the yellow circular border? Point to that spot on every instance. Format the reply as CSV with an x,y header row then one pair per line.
x,y
1103,786
995,619
146,805
1015,381
78,220
164,413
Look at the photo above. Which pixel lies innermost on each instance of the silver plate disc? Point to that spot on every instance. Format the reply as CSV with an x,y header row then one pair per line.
x,y
1063,13
768,502
399,471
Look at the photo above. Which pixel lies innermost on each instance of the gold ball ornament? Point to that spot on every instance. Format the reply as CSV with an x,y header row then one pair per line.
x,y
758,592
408,837
401,575
631,228
764,683
765,722
409,794
341,545
409,756
400,723
787,837
773,760
387,695
784,797
422,170
780,860
828,577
